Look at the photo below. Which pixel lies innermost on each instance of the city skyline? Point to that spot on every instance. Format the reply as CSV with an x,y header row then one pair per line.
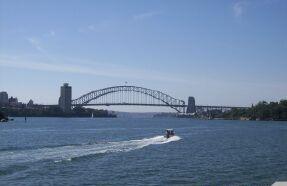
x,y
222,53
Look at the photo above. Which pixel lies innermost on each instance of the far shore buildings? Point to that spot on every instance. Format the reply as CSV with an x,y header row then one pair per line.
x,y
11,102
4,98
65,97
30,104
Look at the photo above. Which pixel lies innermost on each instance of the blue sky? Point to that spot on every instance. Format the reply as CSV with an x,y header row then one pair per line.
x,y
227,52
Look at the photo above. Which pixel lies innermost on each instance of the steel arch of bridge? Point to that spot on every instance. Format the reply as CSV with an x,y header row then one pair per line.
x,y
176,104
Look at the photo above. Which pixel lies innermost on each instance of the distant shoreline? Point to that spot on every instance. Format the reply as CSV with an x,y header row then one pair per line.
x,y
56,112
219,119
61,117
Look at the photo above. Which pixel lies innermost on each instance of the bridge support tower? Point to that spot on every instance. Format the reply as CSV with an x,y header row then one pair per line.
x,y
191,105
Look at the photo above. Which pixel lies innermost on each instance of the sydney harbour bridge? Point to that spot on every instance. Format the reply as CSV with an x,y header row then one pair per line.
x,y
130,96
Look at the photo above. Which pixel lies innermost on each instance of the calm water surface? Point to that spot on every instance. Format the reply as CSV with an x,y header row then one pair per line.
x,y
126,151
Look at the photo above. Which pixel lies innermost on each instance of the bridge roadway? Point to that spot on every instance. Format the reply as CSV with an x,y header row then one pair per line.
x,y
198,107
218,107
136,104
160,105
212,107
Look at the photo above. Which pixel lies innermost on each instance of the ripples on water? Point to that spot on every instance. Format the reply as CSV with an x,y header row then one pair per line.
x,y
134,152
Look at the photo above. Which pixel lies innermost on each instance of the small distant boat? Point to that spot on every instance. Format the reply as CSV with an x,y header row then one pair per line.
x,y
169,133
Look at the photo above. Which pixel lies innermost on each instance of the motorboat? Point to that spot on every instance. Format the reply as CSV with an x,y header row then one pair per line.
x,y
169,133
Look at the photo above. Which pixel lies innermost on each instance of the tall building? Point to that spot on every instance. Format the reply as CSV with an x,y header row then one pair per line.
x,y
3,98
65,97
191,105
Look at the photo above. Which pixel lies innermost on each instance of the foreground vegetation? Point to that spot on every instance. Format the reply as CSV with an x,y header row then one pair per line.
x,y
276,111
55,111
3,118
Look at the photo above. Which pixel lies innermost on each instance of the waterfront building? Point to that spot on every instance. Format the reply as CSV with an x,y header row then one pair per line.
x,y
13,101
4,98
191,105
65,97
30,103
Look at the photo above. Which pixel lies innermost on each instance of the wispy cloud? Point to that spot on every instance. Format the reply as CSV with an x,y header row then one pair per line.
x,y
52,33
111,71
48,34
238,8
36,44
145,15
98,27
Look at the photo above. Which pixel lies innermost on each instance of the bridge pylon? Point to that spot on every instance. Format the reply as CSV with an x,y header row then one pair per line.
x,y
191,105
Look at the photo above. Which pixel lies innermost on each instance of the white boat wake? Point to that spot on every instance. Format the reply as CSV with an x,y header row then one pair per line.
x,y
69,152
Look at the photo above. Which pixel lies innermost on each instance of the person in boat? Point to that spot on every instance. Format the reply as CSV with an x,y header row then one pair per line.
x,y
169,133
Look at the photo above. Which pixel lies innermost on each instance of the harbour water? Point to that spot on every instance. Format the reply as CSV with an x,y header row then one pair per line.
x,y
132,151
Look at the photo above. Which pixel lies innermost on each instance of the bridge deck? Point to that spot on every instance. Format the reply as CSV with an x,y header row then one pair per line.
x,y
136,104
218,106
161,105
